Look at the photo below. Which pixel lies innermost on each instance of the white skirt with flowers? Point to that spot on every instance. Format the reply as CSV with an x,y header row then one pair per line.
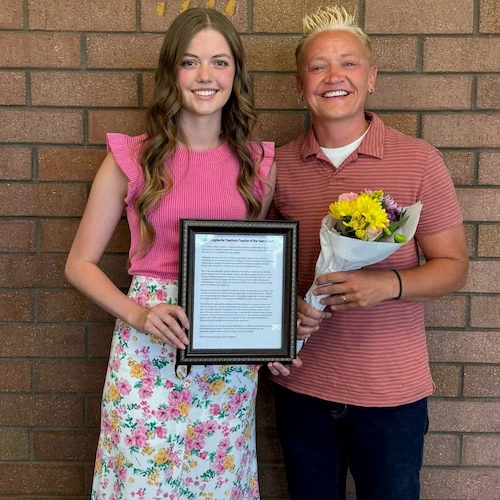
x,y
164,437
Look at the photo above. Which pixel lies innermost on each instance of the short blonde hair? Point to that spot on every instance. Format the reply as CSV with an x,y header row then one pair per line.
x,y
331,18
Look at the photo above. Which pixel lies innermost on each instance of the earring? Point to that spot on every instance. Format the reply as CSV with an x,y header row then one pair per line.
x,y
371,91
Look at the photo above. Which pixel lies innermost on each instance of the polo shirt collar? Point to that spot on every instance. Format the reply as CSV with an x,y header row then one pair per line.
x,y
372,144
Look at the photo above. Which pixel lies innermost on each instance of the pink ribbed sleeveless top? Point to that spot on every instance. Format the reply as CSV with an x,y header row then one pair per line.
x,y
204,187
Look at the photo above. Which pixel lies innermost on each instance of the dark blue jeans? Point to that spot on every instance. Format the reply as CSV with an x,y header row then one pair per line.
x,y
382,447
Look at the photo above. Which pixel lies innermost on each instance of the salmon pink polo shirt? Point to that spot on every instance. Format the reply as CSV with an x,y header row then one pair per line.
x,y
376,357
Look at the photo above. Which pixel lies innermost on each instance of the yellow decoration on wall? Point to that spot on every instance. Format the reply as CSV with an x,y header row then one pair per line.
x,y
230,7
160,8
185,5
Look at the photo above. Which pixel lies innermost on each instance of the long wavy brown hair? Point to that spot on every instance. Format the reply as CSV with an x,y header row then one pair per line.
x,y
162,117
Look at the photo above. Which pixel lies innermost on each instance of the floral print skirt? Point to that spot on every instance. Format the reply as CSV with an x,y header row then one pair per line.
x,y
168,436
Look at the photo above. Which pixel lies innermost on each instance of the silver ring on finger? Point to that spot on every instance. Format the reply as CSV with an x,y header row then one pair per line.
x,y
344,298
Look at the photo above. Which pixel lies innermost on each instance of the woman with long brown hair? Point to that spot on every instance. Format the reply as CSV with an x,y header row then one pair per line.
x,y
166,434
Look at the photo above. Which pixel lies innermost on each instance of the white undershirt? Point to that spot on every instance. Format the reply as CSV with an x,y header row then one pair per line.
x,y
338,155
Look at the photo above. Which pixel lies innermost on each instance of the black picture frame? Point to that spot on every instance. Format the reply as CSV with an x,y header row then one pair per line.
x,y
238,287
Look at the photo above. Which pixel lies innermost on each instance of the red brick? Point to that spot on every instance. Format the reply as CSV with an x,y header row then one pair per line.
x,y
42,341
479,205
39,50
461,166
405,123
84,89
412,92
93,415
282,16
489,168
43,479
37,125
16,305
485,311
488,241
481,450
65,445
272,481
126,122
276,92
258,49
463,346
17,235
268,445
69,305
441,449
79,376
47,199
115,266
425,16
38,271
471,239
148,82
462,130
123,51
447,379
15,163
69,164
12,88
464,416
455,484
57,236
396,54
449,311
99,340
489,16
464,54
91,15
488,90
154,19
11,14
16,375
280,127
482,381
484,277
41,411
14,445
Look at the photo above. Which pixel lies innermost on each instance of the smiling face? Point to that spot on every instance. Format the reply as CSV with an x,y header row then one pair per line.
x,y
334,77
206,75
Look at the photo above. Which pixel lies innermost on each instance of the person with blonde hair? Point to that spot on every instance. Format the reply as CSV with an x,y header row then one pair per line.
x,y
359,402
168,433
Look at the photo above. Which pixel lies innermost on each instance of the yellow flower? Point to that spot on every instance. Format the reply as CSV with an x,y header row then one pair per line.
x,y
230,391
193,463
98,466
112,394
120,460
252,483
148,450
136,370
183,409
161,457
190,434
217,385
246,433
229,462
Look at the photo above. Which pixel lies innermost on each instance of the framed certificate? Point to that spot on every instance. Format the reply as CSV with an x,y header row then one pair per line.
x,y
238,286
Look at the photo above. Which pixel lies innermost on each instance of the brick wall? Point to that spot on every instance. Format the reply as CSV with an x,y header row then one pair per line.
x,y
72,70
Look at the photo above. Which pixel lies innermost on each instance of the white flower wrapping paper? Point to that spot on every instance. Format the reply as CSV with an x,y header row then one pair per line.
x,y
341,253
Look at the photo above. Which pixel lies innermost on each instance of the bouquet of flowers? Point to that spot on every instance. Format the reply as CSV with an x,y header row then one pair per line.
x,y
360,230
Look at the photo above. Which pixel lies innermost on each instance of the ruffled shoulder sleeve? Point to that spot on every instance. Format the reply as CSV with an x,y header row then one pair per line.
x,y
267,161
125,150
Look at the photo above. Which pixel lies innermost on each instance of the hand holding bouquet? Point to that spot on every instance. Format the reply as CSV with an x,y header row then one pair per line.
x,y
360,230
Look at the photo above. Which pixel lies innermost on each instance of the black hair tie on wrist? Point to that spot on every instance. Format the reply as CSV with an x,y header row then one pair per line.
x,y
400,284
